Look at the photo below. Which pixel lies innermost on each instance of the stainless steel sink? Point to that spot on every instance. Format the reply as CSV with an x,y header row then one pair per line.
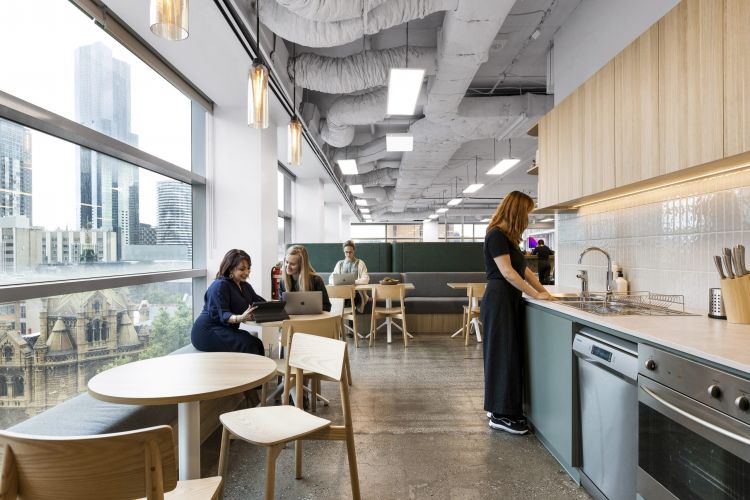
x,y
634,304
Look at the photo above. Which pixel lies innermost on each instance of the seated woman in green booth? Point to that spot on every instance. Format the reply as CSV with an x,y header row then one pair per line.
x,y
352,265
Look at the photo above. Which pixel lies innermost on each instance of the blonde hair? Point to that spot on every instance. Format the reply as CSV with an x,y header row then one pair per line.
x,y
512,215
306,271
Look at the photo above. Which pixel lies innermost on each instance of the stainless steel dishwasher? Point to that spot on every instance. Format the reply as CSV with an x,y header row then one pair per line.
x,y
607,374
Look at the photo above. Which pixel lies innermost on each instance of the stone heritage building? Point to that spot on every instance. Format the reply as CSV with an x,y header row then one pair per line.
x,y
79,334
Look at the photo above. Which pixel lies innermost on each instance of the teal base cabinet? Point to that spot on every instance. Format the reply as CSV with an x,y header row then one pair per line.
x,y
551,390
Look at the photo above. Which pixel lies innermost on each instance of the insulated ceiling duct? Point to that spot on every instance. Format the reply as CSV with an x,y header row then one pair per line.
x,y
361,71
322,33
330,10
361,109
379,177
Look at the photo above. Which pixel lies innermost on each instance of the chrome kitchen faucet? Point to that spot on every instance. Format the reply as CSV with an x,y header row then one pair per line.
x,y
610,280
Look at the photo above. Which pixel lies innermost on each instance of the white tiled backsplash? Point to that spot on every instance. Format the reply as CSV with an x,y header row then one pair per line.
x,y
663,239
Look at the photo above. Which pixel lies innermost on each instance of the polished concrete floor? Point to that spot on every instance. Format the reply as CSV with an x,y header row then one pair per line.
x,y
420,432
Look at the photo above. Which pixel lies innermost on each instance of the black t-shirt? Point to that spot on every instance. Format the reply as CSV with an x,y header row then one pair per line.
x,y
543,252
496,244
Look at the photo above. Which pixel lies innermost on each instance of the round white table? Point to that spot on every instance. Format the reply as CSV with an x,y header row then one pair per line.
x,y
185,380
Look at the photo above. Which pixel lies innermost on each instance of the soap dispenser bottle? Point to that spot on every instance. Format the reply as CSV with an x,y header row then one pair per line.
x,y
621,284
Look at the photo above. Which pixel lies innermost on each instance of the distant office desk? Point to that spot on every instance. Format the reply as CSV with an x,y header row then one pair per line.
x,y
185,380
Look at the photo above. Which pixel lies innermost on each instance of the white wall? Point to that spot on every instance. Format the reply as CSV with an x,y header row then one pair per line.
x,y
595,33
308,211
333,226
242,205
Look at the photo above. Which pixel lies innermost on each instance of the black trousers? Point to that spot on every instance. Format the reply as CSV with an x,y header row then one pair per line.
x,y
544,268
502,317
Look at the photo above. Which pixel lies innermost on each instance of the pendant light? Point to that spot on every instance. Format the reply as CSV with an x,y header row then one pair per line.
x,y
294,129
168,19
257,84
473,188
506,163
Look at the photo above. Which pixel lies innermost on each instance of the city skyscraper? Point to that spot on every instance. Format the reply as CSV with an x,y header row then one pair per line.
x,y
174,214
15,170
102,102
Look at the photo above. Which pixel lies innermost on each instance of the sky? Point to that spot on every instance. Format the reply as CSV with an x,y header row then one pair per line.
x,y
39,38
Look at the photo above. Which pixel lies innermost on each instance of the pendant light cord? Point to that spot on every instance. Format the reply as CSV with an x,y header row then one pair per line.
x,y
407,44
294,79
257,28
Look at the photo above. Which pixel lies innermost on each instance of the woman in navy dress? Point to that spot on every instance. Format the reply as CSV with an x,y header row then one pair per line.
x,y
299,276
502,312
227,303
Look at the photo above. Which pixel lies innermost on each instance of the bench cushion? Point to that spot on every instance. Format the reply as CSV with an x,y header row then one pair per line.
x,y
436,284
435,305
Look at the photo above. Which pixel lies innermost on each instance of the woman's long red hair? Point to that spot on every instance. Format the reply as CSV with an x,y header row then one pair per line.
x,y
512,215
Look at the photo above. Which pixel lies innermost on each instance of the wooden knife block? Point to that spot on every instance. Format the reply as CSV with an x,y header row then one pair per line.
x,y
736,295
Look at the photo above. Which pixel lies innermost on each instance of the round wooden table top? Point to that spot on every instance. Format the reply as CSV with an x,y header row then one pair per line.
x,y
182,378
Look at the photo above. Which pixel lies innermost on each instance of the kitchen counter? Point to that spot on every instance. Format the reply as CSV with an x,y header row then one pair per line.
x,y
717,341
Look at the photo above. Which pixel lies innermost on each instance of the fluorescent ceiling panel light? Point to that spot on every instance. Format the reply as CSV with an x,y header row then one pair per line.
x,y
348,167
364,210
366,216
434,216
356,189
473,188
548,219
441,210
503,166
399,142
484,220
360,202
454,202
404,85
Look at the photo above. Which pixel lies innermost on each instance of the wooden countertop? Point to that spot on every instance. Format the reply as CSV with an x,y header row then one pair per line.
x,y
714,340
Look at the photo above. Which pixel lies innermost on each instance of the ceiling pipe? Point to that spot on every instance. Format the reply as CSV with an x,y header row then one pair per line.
x,y
360,71
320,33
330,10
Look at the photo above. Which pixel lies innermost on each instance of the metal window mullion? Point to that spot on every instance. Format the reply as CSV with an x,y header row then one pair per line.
x,y
14,293
32,116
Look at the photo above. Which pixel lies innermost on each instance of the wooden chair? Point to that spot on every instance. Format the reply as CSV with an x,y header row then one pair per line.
x,y
329,327
273,426
124,465
475,291
388,293
346,292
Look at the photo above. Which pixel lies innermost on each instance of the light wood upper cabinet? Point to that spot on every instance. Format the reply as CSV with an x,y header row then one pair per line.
x,y
547,190
691,89
736,77
636,116
598,138
570,146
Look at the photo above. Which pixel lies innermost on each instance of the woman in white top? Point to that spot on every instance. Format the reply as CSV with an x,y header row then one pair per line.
x,y
352,265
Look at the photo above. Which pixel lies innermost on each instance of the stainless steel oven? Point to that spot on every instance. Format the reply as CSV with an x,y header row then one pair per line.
x,y
693,430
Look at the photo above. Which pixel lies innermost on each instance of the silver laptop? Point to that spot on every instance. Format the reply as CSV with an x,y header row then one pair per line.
x,y
344,278
303,302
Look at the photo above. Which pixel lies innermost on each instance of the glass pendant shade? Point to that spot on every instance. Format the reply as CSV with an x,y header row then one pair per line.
x,y
294,142
257,95
169,19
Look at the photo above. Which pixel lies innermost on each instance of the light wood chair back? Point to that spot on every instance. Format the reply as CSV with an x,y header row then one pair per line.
x,y
318,354
346,292
386,292
124,465
382,292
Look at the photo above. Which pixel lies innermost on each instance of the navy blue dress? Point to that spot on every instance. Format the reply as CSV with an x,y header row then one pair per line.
x,y
502,316
211,330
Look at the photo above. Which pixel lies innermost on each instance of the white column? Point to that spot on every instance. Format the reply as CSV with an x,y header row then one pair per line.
x,y
241,197
430,230
308,211
332,217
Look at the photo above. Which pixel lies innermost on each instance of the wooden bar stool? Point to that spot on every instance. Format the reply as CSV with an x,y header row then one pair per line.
x,y
475,292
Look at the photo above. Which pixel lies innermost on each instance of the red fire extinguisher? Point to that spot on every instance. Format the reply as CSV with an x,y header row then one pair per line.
x,y
276,281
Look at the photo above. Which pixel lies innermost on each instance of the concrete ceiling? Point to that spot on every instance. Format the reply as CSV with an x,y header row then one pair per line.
x,y
214,60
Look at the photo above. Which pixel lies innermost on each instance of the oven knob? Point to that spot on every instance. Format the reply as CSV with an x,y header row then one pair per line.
x,y
714,391
651,365
742,403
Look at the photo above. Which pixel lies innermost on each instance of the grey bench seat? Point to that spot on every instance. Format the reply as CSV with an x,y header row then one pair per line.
x,y
85,415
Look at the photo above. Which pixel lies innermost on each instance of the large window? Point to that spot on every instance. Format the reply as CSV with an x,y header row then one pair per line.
x,y
56,58
96,212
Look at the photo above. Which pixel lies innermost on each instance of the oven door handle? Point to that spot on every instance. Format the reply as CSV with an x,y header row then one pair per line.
x,y
697,420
